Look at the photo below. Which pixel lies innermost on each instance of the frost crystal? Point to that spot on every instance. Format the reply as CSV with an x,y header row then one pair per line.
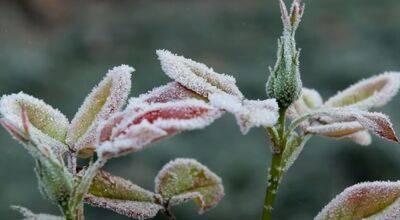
x,y
47,125
143,123
369,200
171,92
132,209
342,115
337,130
122,196
248,113
378,123
368,93
184,179
196,76
108,97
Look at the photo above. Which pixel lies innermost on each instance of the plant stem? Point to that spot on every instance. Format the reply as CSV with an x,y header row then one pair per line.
x,y
275,171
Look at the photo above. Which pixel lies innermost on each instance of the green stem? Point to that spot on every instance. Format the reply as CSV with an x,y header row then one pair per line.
x,y
275,171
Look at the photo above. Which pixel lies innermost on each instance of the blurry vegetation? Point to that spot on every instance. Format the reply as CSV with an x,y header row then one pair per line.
x,y
53,49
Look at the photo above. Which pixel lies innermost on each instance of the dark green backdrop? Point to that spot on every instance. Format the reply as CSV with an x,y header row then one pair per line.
x,y
58,50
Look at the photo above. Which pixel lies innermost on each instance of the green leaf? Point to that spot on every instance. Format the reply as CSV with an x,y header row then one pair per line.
x,y
47,125
186,179
368,93
107,98
55,181
369,200
122,196
293,149
106,185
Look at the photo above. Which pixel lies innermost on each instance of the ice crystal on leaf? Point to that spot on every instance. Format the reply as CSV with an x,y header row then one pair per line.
x,y
346,121
248,113
196,76
182,180
369,200
47,125
368,93
172,91
220,89
122,196
142,123
132,209
106,98
344,115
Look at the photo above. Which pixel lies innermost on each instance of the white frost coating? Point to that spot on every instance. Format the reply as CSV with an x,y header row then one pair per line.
x,y
29,215
135,139
373,121
362,138
170,92
143,123
379,199
132,209
106,98
183,190
368,93
337,130
248,113
47,125
196,76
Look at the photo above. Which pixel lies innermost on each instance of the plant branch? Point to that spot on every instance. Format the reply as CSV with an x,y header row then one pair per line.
x,y
275,171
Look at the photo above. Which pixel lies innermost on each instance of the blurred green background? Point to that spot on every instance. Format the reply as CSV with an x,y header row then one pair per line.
x,y
58,50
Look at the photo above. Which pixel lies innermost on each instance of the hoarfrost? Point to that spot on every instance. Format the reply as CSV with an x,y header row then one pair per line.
x,y
170,92
196,76
368,93
106,98
132,209
378,199
142,123
248,113
47,125
183,179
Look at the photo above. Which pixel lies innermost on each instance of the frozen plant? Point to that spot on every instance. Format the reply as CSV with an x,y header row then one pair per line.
x,y
101,130
345,115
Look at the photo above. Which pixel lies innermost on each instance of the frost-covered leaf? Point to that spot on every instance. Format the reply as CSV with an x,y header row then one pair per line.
x,y
293,149
29,215
248,113
113,187
196,76
373,92
369,200
122,196
143,123
132,209
47,125
185,179
170,92
377,123
106,98
336,130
